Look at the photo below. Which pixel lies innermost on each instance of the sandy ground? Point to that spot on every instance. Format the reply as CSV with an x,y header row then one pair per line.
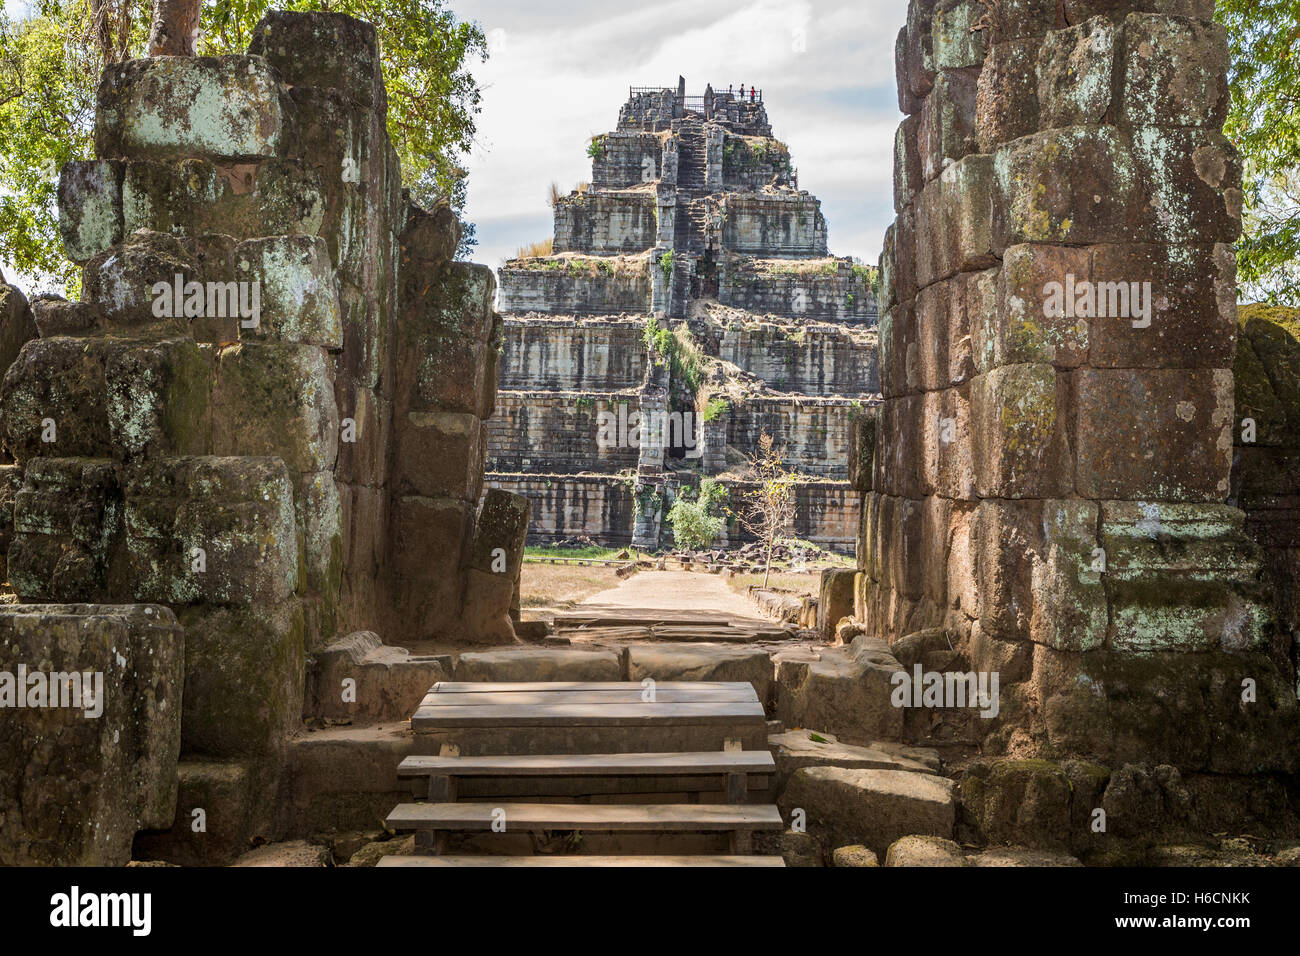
x,y
684,591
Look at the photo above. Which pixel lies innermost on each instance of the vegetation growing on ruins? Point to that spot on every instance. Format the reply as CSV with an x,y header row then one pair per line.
x,y
543,247
596,147
1264,123
50,66
684,355
698,519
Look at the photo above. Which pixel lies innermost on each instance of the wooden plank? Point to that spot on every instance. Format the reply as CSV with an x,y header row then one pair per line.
x,y
661,696
585,715
582,861
502,687
671,817
581,765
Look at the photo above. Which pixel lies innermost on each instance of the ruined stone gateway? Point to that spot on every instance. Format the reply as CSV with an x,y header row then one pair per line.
x,y
1033,431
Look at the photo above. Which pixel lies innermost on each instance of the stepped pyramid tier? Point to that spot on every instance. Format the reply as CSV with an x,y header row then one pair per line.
x,y
689,290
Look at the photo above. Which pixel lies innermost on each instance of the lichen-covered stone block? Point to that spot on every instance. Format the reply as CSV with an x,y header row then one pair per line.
x,y
1174,72
245,200
1006,97
1160,306
448,327
78,781
107,398
328,50
1038,576
1153,434
212,530
946,131
67,520
244,675
1182,577
1191,183
862,448
278,400
121,281
90,207
1078,184
1025,324
1075,74
298,290
1018,424
172,107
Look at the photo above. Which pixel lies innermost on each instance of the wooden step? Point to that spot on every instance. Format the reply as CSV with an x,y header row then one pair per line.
x,y
738,820
508,861
737,693
583,714
565,686
585,816
576,765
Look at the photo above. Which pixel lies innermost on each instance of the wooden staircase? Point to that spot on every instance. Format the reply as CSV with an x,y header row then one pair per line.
x,y
549,744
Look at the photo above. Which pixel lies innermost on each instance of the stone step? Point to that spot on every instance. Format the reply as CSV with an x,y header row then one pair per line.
x,y
582,861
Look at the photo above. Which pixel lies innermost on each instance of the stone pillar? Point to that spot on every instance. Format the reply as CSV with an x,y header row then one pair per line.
x,y
1056,363
495,566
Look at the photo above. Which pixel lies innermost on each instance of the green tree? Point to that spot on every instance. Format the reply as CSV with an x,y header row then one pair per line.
x,y
1264,123
50,66
693,526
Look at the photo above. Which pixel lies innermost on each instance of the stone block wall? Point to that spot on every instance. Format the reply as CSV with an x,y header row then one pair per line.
x,y
605,224
812,432
826,291
559,431
811,359
627,159
271,479
577,285
789,225
566,352
1049,484
564,505
749,165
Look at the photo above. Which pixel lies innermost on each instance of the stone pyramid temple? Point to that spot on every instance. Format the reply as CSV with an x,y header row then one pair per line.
x,y
688,288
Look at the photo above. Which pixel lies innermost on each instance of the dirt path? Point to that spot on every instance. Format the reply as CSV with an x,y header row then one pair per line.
x,y
685,592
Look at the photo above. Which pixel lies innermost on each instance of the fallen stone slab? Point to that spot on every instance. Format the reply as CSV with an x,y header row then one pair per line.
x,y
388,683
539,664
291,853
870,807
924,851
795,749
704,662
846,692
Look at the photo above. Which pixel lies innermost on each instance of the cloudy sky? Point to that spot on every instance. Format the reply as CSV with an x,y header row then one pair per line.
x,y
558,73
559,70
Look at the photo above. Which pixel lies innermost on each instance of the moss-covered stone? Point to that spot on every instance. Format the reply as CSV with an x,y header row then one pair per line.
x,y
226,107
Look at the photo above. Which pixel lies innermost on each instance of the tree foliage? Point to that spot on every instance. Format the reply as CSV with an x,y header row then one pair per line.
x,y
770,506
1264,123
50,66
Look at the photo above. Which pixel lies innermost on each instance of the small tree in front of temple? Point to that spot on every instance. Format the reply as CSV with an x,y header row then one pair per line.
x,y
769,508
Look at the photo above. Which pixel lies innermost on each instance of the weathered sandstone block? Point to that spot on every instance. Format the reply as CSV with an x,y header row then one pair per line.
x,y
75,788
213,530
90,207
226,107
